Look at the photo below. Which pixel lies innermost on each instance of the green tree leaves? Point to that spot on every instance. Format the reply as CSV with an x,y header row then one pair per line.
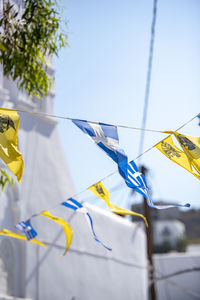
x,y
5,178
29,36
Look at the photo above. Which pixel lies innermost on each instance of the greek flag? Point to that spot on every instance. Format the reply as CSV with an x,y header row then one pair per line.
x,y
27,229
78,207
106,137
136,180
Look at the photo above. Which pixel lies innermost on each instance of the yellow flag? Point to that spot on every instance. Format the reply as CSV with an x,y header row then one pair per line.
x,y
6,232
67,229
99,190
187,158
9,124
191,147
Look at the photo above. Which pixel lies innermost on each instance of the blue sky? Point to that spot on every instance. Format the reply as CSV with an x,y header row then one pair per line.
x,y
102,76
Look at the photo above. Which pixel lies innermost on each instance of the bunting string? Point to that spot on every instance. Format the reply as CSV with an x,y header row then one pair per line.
x,y
70,119
102,192
106,137
146,151
114,172
117,125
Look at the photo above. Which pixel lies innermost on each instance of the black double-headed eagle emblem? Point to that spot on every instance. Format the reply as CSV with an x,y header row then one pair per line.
x,y
185,142
5,123
169,150
99,189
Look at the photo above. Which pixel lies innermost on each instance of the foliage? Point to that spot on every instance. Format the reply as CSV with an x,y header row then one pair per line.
x,y
194,241
181,244
30,34
166,246
5,178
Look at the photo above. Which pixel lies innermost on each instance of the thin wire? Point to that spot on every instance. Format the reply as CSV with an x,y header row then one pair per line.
x,y
148,80
185,290
114,172
187,123
177,129
67,118
164,277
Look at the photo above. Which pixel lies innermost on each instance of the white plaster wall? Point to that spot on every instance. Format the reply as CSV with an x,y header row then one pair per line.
x,y
88,271
195,248
182,287
5,297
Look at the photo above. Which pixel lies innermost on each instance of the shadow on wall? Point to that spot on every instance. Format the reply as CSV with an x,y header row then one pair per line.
x,y
42,125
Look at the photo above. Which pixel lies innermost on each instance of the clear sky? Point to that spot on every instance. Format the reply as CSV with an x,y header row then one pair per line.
x,y
102,75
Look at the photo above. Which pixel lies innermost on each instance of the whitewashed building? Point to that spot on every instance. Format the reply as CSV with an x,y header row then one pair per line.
x,y
183,286
88,271
168,231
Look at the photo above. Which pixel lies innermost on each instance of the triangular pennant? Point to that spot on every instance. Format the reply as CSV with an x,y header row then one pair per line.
x,y
9,153
99,190
67,229
6,232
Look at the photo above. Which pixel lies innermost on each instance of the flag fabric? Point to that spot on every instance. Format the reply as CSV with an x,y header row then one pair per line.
x,y
67,229
78,207
191,147
137,181
188,158
6,232
9,153
199,118
100,191
27,229
134,179
106,137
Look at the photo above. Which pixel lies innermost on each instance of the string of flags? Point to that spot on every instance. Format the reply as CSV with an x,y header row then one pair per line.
x,y
106,137
27,229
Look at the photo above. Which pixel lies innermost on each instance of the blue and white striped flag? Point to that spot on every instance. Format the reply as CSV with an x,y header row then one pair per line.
x,y
27,229
136,180
78,207
106,137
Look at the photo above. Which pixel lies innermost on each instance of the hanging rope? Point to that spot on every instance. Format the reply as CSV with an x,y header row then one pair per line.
x,y
115,172
148,80
44,115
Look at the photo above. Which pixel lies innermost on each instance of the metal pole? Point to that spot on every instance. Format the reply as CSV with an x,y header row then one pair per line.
x,y
152,290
